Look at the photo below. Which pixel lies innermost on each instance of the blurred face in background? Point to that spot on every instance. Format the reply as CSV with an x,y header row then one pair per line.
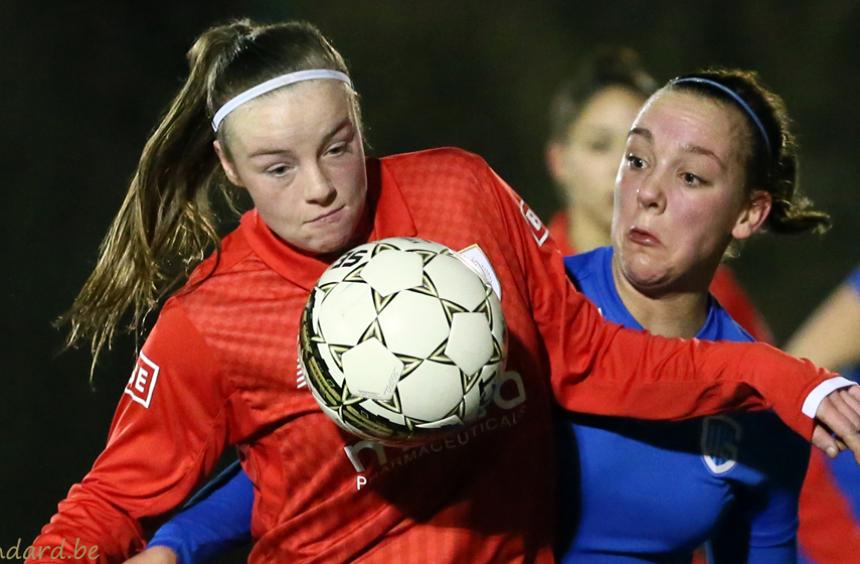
x,y
298,151
584,165
681,192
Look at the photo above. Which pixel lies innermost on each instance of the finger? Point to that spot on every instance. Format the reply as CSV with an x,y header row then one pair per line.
x,y
841,404
822,440
853,391
842,426
850,399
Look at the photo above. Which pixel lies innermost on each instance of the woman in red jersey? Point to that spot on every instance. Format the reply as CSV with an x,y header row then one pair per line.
x,y
271,110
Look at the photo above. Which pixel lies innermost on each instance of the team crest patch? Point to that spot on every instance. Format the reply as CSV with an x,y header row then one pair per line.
x,y
141,384
721,438
473,257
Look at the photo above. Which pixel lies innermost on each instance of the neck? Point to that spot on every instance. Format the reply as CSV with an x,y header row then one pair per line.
x,y
668,313
584,232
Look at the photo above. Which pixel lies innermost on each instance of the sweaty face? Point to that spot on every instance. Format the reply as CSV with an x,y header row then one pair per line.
x,y
590,157
299,153
680,194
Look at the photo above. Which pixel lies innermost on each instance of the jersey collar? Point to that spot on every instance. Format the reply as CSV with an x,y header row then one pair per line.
x,y
391,218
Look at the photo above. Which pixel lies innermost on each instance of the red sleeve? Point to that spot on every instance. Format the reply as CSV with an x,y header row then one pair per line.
x,y
601,368
735,301
167,433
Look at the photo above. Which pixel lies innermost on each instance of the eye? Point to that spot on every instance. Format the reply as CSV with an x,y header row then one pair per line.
x,y
336,149
279,170
599,146
691,179
633,161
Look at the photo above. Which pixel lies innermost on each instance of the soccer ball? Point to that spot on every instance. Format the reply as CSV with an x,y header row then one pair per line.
x,y
401,341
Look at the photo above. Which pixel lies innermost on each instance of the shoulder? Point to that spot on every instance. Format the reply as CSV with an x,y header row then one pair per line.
x,y
585,265
234,249
446,171
442,159
720,326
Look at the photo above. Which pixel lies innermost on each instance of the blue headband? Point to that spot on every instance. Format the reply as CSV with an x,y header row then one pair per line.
x,y
738,100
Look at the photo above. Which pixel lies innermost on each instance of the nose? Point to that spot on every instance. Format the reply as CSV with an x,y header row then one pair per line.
x,y
318,188
650,194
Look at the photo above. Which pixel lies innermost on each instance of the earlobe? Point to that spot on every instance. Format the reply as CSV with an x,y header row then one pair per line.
x,y
226,164
752,218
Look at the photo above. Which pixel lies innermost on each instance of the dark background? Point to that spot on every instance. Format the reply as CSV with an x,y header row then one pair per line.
x,y
83,84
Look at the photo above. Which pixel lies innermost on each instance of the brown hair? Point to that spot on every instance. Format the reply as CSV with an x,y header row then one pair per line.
x,y
772,160
604,68
166,223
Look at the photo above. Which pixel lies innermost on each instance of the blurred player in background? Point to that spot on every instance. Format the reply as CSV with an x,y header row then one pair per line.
x,y
709,161
830,501
271,109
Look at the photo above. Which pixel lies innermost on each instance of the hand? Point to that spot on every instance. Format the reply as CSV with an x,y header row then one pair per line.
x,y
838,426
154,555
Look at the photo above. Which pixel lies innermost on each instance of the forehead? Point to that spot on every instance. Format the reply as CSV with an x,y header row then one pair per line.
x,y
298,113
612,101
688,117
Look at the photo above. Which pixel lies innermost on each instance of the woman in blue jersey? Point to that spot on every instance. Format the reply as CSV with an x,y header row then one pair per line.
x,y
709,161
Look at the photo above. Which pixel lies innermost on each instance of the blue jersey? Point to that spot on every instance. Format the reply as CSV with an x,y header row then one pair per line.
x,y
637,491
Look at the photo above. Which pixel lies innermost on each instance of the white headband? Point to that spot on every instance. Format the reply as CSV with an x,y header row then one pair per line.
x,y
274,84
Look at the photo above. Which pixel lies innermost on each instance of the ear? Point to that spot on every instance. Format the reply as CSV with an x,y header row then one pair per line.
x,y
226,164
554,157
753,216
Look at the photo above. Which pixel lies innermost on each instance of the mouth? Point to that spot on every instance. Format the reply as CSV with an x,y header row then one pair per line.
x,y
328,217
643,237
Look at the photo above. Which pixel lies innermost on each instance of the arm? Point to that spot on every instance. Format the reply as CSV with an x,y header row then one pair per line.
x,y
216,522
597,367
831,336
168,432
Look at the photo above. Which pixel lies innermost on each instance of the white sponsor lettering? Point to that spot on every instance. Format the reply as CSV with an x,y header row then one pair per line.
x,y
353,450
360,482
141,383
511,400
539,230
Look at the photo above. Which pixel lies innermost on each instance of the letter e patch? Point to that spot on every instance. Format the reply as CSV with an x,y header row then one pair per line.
x,y
141,384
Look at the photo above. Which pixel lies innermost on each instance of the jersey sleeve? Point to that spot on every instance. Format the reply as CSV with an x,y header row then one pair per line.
x,y
167,433
217,520
601,368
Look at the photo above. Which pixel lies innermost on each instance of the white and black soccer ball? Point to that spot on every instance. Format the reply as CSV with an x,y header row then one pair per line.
x,y
401,341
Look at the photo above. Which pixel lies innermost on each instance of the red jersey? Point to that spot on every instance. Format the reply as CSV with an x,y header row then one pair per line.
x,y
724,286
219,368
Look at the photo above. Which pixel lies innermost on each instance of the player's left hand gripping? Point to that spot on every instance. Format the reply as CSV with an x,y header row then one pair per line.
x,y
838,426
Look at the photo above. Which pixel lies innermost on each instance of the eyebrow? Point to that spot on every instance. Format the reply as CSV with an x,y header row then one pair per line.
x,y
688,148
265,151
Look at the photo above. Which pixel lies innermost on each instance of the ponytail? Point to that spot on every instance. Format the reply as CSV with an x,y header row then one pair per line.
x,y
165,225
